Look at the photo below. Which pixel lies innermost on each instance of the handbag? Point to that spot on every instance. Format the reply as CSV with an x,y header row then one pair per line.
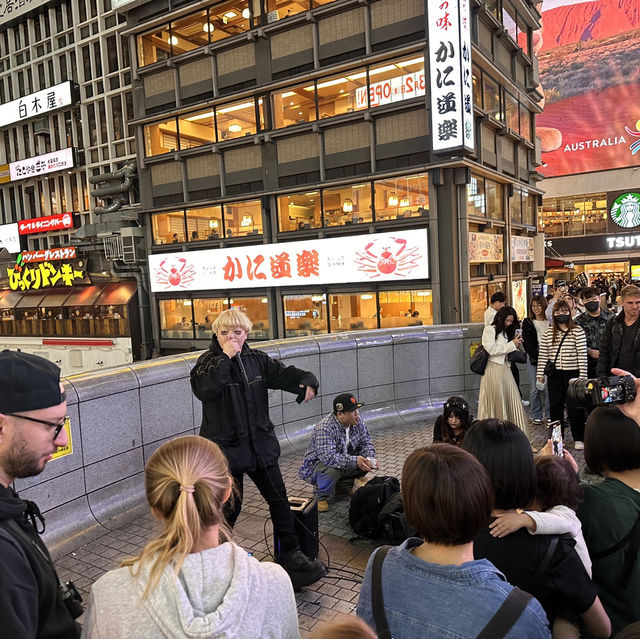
x,y
479,360
517,356
550,366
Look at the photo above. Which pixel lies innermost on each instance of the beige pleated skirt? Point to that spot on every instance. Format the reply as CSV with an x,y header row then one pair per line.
x,y
500,398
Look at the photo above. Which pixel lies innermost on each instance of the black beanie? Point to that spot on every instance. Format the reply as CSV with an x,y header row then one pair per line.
x,y
27,382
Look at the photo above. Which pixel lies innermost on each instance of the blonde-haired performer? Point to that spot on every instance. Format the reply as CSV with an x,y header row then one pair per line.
x,y
191,580
232,381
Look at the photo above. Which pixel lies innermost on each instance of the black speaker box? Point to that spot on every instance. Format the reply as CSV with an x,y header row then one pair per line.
x,y
305,515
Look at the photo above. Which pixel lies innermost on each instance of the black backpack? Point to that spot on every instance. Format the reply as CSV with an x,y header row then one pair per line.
x,y
376,511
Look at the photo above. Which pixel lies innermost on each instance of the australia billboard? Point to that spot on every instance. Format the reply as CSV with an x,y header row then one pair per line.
x,y
589,54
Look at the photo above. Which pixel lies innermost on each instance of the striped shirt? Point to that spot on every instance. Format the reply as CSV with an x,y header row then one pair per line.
x,y
572,356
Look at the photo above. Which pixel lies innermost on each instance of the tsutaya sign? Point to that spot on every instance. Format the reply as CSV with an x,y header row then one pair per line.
x,y
35,104
57,222
450,72
41,164
379,257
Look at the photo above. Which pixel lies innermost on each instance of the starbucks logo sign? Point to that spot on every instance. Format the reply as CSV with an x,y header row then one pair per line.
x,y
625,210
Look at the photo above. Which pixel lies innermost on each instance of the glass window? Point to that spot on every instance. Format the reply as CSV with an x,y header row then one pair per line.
x,y
511,106
279,9
229,18
300,211
525,123
476,79
294,105
243,218
403,197
353,312
236,120
528,208
508,19
204,224
405,308
206,312
168,228
160,137
176,319
196,129
523,34
495,204
491,96
574,216
595,209
394,81
347,205
338,94
190,32
478,301
305,315
257,309
515,205
154,45
475,196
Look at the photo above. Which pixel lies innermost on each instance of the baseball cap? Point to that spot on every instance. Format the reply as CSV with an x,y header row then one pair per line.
x,y
28,382
346,403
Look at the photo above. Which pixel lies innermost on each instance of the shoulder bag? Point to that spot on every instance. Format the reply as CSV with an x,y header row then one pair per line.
x,y
479,360
550,366
497,627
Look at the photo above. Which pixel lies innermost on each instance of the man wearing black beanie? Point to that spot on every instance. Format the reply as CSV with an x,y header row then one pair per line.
x,y
33,411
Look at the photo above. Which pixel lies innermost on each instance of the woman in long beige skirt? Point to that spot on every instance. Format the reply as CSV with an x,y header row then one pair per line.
x,y
499,395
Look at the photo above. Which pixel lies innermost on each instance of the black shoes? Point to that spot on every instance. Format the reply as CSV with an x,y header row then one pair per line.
x,y
301,570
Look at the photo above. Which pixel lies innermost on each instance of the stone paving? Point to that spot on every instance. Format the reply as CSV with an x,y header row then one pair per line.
x,y
334,595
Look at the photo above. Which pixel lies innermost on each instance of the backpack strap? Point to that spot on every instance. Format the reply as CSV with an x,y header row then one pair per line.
x,y
633,539
546,560
508,613
377,599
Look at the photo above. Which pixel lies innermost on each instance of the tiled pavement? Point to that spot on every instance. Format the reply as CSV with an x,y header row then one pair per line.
x,y
333,595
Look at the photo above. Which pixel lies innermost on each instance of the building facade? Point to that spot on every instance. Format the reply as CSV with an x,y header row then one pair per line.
x,y
277,138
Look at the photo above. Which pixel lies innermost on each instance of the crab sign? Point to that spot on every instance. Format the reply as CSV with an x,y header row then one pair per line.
x,y
384,257
175,273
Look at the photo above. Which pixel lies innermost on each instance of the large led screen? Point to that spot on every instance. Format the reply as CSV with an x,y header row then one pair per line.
x,y
589,55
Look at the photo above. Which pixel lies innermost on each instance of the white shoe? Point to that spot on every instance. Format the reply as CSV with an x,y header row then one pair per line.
x,y
578,445
525,402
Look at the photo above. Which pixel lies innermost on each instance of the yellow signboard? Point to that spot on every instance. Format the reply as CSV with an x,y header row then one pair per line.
x,y
485,247
65,450
42,275
5,174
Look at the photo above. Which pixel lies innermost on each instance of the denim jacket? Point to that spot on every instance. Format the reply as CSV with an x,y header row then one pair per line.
x,y
424,600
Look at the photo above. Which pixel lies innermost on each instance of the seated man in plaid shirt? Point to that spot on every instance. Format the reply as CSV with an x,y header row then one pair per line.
x,y
340,451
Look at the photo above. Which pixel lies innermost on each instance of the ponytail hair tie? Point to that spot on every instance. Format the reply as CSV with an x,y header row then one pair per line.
x,y
187,489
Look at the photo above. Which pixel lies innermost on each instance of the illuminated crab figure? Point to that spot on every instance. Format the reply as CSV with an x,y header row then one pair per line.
x,y
175,274
392,256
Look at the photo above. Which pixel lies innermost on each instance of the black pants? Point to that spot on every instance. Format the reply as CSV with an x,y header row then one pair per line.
x,y
558,384
516,375
271,486
581,414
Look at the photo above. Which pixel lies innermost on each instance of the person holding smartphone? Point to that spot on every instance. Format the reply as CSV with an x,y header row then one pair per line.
x,y
563,350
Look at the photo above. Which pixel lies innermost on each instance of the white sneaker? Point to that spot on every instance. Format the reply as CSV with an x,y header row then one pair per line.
x,y
578,445
525,402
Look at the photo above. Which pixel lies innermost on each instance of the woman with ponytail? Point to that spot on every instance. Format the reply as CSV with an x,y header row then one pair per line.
x,y
191,580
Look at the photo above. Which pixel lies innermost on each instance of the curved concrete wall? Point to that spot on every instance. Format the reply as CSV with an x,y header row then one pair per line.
x,y
121,415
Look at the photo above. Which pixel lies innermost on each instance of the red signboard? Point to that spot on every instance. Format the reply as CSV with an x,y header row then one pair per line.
x,y
44,224
47,255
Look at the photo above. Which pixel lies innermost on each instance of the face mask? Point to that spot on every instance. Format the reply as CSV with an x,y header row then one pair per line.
x,y
592,307
562,319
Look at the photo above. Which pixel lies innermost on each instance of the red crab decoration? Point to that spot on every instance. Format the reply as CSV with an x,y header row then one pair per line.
x,y
385,261
175,274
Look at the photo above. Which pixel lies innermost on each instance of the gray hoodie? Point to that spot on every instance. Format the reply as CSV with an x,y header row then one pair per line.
x,y
220,593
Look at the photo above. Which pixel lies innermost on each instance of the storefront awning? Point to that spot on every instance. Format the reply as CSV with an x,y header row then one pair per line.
x,y
117,293
9,299
55,299
550,262
84,296
31,300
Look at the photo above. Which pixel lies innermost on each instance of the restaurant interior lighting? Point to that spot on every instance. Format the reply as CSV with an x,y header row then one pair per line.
x,y
246,14
404,201
247,220
393,199
366,296
235,128
347,206
172,40
213,224
208,27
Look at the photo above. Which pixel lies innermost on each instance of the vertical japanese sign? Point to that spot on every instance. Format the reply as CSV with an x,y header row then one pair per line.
x,y
450,75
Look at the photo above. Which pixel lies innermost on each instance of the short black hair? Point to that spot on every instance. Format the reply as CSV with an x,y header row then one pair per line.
x,y
611,441
498,296
505,452
588,292
446,494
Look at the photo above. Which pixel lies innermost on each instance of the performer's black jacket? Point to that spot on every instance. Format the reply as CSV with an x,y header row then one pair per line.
x,y
235,409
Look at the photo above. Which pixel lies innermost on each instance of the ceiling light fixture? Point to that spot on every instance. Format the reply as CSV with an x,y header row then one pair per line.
x,y
347,206
208,27
393,199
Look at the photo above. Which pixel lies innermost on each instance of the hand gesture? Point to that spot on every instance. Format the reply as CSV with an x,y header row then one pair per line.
x,y
630,409
231,347
567,455
508,523
517,340
309,393
363,464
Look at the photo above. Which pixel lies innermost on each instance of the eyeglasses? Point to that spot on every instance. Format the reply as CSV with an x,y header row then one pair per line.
x,y
56,427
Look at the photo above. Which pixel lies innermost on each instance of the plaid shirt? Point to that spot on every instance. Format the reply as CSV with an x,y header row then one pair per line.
x,y
594,327
329,445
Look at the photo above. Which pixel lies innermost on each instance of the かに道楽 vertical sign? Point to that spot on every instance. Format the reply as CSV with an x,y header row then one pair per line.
x,y
452,125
